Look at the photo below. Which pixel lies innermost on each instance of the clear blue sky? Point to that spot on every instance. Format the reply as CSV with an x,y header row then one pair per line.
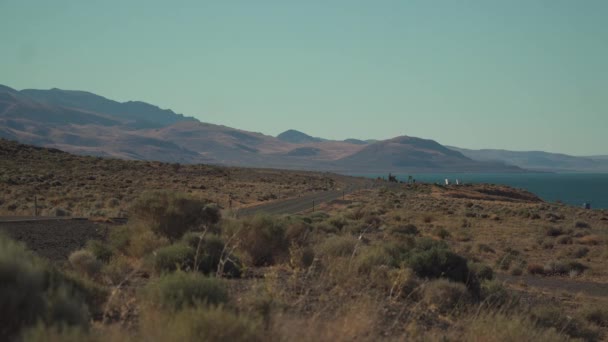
x,y
513,74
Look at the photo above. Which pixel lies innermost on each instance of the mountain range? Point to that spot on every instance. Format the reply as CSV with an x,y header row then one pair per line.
x,y
86,123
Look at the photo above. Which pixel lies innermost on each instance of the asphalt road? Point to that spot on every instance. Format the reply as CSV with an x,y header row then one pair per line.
x,y
299,204
558,283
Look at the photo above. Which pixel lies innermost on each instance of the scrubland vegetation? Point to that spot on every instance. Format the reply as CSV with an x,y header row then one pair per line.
x,y
408,263
62,184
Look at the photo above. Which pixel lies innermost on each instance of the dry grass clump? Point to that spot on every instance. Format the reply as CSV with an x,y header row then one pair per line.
x,y
201,323
337,246
446,297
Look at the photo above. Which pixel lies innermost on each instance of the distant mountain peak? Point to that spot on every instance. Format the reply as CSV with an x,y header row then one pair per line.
x,y
297,137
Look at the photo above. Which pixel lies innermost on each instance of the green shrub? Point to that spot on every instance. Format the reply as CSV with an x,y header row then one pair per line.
x,y
213,324
432,259
32,291
582,225
177,290
171,214
263,239
482,271
173,257
100,250
84,262
446,296
210,249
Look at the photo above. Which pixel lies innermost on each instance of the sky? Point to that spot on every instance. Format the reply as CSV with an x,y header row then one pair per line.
x,y
517,74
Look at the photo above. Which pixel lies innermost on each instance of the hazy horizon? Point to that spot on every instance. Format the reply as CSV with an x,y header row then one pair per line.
x,y
519,76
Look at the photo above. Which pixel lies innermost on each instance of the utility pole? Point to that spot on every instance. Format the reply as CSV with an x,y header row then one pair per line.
x,y
313,205
35,206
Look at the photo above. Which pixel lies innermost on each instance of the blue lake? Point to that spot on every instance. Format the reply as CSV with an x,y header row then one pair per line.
x,y
570,188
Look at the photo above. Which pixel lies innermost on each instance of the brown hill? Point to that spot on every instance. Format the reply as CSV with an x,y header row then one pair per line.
x,y
85,123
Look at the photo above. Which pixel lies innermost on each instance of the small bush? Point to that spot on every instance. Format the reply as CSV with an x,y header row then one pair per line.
x,y
564,240
100,250
171,214
84,262
173,257
553,231
442,233
446,296
263,239
483,248
496,295
581,224
536,269
211,250
505,261
431,259
482,271
178,290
